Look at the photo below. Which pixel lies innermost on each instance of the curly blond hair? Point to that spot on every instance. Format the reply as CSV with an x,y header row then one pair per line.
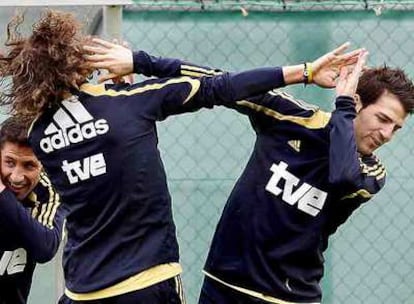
x,y
39,70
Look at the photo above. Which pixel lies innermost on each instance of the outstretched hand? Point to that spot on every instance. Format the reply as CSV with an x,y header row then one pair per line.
x,y
326,69
114,57
348,80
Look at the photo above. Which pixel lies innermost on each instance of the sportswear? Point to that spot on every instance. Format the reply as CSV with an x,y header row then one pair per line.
x,y
303,180
99,147
30,233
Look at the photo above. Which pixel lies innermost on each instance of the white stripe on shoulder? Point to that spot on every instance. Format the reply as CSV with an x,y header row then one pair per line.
x,y
300,103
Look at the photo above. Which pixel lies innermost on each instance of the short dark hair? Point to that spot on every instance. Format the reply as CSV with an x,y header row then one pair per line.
x,y
14,130
374,82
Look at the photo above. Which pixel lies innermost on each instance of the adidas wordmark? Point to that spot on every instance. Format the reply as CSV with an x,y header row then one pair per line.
x,y
72,124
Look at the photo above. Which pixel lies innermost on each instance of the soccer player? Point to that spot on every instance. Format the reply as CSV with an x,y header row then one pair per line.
x,y
31,216
98,143
308,172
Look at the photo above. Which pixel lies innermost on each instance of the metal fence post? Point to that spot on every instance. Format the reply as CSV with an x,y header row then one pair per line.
x,y
112,21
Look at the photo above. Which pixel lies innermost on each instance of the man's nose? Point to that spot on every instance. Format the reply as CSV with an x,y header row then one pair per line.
x,y
17,176
387,133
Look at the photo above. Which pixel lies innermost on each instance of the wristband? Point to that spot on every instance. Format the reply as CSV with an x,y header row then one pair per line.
x,y
307,73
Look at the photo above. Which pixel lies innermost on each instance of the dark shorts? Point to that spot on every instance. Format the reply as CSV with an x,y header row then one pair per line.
x,y
166,292
214,292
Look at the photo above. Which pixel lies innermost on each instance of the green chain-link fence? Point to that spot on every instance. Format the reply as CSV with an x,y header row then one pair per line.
x,y
371,258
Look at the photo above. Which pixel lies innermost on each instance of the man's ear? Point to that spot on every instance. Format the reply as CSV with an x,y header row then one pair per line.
x,y
358,103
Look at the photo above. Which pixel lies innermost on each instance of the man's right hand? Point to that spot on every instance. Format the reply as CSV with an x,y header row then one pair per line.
x,y
326,69
114,57
348,80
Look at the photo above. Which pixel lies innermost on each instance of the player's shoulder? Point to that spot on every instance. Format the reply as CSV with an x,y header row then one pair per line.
x,y
283,107
290,102
44,192
371,165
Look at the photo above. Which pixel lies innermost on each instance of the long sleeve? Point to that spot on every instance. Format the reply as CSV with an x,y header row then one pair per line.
x,y
355,179
258,107
357,176
37,231
232,87
149,65
171,96
225,89
343,155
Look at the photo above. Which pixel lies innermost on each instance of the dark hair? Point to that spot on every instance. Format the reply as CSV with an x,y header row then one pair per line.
x,y
14,130
43,67
374,82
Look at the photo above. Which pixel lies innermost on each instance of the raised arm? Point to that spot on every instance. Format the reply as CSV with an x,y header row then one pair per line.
x,y
354,175
119,61
189,93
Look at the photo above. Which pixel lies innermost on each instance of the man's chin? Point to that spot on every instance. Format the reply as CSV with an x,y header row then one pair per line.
x,y
20,195
366,150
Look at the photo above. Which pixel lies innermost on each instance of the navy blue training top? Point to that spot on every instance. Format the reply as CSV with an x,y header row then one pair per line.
x,y
303,180
99,148
30,233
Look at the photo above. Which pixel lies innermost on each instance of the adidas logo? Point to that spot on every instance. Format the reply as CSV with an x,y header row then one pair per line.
x,y
295,144
72,124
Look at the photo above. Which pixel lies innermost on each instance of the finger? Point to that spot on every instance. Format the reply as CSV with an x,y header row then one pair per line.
x,y
103,43
350,61
106,77
95,49
96,58
349,68
129,79
360,64
365,68
341,82
118,42
330,83
353,78
118,80
330,79
99,65
343,73
351,55
339,50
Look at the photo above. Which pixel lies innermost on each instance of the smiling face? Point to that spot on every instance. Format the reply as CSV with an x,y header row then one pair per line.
x,y
376,123
20,169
